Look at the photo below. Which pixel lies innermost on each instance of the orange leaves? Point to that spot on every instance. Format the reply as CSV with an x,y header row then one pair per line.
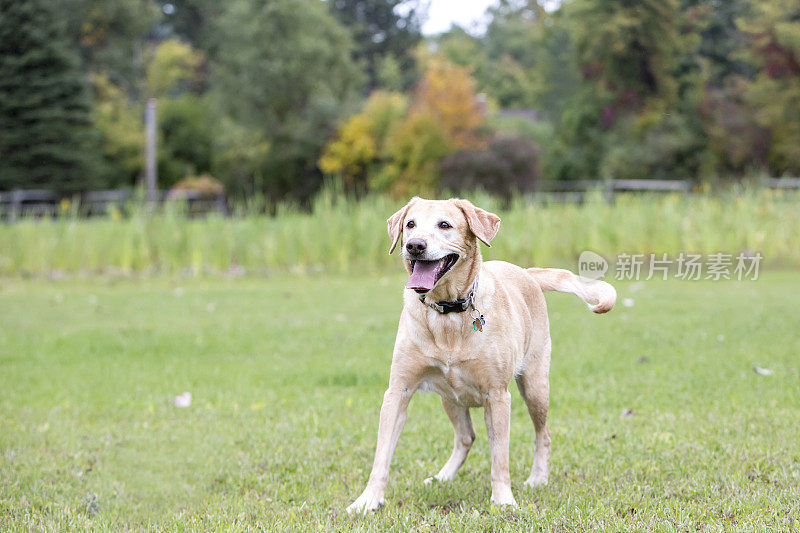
x,y
391,146
447,94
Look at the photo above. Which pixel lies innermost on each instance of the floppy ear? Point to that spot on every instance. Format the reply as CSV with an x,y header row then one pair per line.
x,y
395,223
482,223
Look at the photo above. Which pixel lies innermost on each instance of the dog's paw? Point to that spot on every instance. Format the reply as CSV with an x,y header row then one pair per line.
x,y
503,497
438,478
368,501
536,480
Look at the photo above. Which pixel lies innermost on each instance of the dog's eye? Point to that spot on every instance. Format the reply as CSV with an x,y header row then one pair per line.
x,y
444,225
410,224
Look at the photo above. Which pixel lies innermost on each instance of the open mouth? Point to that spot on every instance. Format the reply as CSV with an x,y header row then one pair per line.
x,y
425,274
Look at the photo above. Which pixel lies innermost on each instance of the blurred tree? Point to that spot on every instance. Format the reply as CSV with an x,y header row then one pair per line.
x,y
192,20
414,149
579,143
240,154
185,117
628,55
464,50
46,134
382,30
651,145
508,166
525,59
385,111
774,94
737,144
121,131
284,67
521,123
359,142
390,75
110,35
186,131
711,76
447,93
513,48
172,69
721,43
351,151
628,48
558,75
445,116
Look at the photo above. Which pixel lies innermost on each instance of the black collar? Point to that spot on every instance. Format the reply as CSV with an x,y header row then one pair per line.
x,y
444,307
457,306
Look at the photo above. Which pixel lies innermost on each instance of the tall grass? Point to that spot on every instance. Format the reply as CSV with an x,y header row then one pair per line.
x,y
344,235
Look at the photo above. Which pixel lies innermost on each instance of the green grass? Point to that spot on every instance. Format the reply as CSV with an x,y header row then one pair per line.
x,y
287,375
344,236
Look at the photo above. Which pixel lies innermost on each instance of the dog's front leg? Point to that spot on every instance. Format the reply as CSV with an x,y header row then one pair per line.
x,y
393,418
497,411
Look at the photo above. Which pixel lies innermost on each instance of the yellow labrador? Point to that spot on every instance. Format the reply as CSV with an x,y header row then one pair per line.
x,y
467,329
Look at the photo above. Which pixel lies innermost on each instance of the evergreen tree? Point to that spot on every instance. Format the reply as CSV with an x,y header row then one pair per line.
x,y
46,135
721,44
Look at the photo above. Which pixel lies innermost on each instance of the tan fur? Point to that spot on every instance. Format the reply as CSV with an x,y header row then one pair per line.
x,y
442,353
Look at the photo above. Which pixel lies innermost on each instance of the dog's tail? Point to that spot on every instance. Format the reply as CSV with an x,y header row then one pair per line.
x,y
599,295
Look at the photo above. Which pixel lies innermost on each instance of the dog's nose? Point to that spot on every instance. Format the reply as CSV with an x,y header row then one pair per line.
x,y
416,246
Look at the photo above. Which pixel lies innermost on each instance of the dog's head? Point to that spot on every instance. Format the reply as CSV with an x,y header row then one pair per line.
x,y
438,237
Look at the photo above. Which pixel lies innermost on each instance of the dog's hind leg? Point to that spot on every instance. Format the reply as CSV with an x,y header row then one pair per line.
x,y
464,436
534,386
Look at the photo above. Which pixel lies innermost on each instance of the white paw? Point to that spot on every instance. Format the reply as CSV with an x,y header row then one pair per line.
x,y
368,501
536,480
503,497
438,478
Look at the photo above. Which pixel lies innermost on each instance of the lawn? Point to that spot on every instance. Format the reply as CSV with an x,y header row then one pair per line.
x,y
287,374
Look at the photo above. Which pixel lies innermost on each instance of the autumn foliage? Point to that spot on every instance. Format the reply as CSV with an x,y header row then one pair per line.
x,y
447,94
395,147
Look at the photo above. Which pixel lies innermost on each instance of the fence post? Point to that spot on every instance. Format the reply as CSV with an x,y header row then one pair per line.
x,y
608,191
151,169
16,204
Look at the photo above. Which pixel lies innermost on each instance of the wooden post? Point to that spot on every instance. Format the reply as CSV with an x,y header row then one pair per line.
x,y
16,204
151,169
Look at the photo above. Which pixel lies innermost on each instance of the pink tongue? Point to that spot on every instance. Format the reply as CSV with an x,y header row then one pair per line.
x,y
423,276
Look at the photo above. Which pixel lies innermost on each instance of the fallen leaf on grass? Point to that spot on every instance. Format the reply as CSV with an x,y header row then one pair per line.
x,y
182,400
762,371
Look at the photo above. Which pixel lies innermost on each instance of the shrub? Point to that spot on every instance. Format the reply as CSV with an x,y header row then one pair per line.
x,y
121,132
414,150
204,184
186,142
509,165
359,142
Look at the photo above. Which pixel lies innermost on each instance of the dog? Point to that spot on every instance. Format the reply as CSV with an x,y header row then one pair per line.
x,y
467,329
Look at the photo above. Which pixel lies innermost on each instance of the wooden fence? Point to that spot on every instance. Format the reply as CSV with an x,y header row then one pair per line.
x,y
42,203
576,190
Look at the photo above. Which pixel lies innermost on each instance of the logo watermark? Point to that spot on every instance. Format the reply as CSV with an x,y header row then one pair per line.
x,y
685,266
592,265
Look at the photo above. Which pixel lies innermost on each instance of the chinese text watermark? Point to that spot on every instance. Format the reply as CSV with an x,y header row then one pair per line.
x,y
684,266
